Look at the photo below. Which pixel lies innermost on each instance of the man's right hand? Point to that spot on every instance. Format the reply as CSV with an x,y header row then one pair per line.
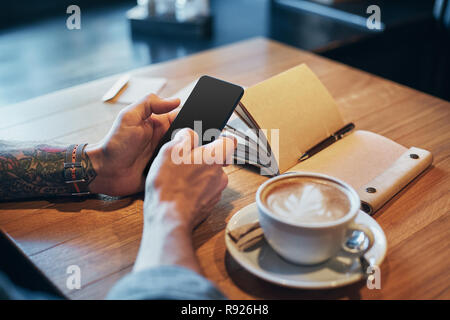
x,y
185,180
178,196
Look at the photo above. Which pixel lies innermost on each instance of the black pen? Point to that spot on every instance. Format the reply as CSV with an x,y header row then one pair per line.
x,y
328,141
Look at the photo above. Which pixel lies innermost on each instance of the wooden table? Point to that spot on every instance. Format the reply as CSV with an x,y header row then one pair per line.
x,y
102,235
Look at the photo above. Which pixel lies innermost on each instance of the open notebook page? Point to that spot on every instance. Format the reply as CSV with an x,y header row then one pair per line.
x,y
296,104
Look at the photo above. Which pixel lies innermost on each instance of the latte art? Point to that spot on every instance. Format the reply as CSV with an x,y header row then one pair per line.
x,y
308,201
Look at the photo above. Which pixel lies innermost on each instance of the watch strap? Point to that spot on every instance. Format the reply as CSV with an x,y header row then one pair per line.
x,y
74,173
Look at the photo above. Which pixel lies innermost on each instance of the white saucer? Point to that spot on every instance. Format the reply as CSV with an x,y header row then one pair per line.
x,y
263,262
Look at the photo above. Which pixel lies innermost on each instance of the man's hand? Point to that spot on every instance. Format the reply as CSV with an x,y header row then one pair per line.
x,y
191,189
119,160
178,196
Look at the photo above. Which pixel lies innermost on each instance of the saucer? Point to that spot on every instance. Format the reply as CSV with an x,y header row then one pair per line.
x,y
262,261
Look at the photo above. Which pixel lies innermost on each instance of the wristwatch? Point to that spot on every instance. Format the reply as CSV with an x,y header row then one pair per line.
x,y
74,173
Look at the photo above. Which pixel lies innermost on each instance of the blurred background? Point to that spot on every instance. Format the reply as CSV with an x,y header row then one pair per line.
x,y
39,54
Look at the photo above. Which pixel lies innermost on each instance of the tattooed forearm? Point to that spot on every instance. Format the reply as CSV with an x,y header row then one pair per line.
x,y
35,171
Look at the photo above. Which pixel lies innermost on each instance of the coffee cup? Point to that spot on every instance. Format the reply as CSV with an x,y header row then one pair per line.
x,y
307,217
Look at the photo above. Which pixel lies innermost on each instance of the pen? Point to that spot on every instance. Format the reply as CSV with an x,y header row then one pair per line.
x,y
328,141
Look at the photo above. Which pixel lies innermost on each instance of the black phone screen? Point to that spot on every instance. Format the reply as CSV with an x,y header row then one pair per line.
x,y
209,106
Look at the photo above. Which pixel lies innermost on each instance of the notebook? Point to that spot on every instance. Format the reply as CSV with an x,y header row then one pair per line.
x,y
280,119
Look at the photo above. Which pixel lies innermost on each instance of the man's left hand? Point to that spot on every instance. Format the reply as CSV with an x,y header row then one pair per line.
x,y
121,157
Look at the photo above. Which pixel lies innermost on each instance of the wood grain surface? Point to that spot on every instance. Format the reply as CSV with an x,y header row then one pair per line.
x,y
101,235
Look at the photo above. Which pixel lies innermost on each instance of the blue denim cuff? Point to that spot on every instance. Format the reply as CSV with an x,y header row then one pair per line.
x,y
164,283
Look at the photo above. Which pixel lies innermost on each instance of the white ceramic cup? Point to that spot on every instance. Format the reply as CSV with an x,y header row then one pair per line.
x,y
309,243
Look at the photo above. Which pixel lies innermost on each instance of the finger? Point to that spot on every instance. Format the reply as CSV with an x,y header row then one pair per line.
x,y
160,106
229,156
162,122
224,180
206,210
186,136
173,114
220,151
181,147
212,202
229,136
153,104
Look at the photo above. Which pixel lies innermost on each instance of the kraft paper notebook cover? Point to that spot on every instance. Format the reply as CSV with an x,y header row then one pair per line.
x,y
296,112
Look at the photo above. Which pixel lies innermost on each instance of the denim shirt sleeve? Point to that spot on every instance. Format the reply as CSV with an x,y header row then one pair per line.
x,y
164,283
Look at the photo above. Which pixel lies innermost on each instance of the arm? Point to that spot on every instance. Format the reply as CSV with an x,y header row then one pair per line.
x,y
112,167
28,170
178,197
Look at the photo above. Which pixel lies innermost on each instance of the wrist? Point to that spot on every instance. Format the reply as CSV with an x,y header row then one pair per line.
x,y
95,155
166,217
166,240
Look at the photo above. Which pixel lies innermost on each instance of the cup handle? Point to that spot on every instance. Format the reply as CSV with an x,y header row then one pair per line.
x,y
368,234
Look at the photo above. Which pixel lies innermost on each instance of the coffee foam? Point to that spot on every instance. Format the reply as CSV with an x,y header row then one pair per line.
x,y
307,200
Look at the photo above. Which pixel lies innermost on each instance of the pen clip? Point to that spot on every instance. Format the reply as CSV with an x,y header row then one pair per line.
x,y
344,131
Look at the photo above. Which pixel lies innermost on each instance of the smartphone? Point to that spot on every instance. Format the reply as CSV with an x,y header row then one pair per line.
x,y
210,104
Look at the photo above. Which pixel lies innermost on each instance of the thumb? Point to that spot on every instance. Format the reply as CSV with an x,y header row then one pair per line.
x,y
154,104
186,136
221,150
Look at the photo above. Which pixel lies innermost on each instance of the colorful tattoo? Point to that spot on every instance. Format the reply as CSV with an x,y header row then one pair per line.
x,y
35,171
